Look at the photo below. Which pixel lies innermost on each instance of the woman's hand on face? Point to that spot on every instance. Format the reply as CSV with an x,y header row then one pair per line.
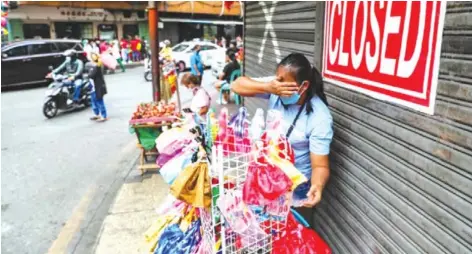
x,y
314,196
283,89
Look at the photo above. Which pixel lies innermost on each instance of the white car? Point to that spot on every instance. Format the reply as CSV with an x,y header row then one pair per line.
x,y
182,52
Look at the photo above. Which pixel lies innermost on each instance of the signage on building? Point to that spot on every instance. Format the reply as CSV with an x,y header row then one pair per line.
x,y
387,49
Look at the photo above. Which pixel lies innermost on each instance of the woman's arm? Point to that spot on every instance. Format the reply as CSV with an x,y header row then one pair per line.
x,y
245,86
319,177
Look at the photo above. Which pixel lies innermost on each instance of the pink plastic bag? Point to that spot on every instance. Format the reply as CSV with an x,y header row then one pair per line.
x,y
109,61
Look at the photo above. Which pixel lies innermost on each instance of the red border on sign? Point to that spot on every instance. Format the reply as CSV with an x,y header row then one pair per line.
x,y
423,101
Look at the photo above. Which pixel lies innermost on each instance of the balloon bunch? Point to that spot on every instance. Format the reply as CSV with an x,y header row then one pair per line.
x,y
4,17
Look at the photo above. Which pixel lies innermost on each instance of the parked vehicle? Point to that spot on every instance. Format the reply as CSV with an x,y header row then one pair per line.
x,y
182,52
33,57
61,90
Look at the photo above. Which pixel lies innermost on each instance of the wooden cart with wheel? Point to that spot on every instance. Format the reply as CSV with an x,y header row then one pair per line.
x,y
146,134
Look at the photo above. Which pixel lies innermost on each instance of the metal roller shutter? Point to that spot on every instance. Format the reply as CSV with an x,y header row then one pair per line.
x,y
401,181
293,25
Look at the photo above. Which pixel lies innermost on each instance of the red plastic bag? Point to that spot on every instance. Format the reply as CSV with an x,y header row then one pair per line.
x,y
264,183
297,239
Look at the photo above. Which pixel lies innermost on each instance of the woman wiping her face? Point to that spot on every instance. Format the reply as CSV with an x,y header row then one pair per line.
x,y
297,92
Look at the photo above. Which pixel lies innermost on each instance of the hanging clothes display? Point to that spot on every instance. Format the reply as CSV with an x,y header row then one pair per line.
x,y
231,186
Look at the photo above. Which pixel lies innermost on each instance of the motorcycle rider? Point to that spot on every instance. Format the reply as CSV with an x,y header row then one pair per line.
x,y
74,67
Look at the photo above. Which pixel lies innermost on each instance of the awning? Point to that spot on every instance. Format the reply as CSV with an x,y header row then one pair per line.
x,y
202,21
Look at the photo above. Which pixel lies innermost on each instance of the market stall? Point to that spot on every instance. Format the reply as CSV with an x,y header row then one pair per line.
x,y
150,119
231,183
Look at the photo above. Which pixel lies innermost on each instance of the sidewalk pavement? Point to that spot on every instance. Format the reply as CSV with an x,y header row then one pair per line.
x,y
134,209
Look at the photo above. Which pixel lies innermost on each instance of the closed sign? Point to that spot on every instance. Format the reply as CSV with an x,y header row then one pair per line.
x,y
387,49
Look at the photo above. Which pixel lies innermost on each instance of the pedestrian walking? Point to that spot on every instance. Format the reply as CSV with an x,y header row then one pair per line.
x,y
99,88
196,65
115,52
124,49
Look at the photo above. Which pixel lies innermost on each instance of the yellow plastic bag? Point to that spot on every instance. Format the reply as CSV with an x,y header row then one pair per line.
x,y
193,185
287,167
187,220
154,232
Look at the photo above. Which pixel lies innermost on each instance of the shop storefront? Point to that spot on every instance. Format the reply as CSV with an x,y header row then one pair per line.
x,y
76,30
401,101
34,21
32,31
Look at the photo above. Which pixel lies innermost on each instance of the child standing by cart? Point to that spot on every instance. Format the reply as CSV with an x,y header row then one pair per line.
x,y
99,88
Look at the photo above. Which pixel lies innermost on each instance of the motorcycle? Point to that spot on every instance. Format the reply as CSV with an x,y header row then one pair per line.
x,y
148,67
61,90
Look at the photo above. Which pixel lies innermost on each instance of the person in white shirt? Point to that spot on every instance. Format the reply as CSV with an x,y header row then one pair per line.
x,y
115,52
88,49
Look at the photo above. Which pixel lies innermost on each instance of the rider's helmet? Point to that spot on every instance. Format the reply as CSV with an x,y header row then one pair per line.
x,y
70,54
167,42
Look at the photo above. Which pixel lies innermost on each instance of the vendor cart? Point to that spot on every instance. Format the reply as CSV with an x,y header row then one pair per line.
x,y
147,130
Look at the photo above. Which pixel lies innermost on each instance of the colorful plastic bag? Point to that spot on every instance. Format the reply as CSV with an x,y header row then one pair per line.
x,y
297,239
154,232
108,61
257,125
240,218
170,170
171,151
193,185
174,241
264,183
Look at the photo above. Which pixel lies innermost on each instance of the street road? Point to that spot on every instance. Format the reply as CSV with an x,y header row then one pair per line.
x,y
59,176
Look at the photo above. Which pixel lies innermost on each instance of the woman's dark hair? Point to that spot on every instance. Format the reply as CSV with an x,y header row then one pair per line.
x,y
231,54
303,70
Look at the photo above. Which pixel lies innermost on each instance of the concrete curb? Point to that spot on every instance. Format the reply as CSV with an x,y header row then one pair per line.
x,y
86,240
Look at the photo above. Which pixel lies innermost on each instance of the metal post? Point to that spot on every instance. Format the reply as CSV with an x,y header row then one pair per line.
x,y
153,19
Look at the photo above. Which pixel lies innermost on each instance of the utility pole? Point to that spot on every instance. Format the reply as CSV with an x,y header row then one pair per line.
x,y
153,22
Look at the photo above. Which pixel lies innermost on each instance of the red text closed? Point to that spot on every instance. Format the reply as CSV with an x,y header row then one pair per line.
x,y
387,49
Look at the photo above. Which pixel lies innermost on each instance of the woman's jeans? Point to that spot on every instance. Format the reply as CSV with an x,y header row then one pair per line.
x,y
136,56
98,106
124,55
77,88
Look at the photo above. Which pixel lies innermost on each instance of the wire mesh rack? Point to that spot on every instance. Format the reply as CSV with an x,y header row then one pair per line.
x,y
226,236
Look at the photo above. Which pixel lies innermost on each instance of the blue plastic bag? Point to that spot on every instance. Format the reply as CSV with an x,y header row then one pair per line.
x,y
174,241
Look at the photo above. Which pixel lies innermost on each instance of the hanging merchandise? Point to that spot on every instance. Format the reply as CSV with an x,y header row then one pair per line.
x,y
170,76
231,188
153,234
170,136
264,183
298,239
239,125
172,150
211,127
193,186
257,125
170,170
240,218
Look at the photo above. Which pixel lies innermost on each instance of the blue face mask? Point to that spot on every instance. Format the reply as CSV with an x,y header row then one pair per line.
x,y
290,100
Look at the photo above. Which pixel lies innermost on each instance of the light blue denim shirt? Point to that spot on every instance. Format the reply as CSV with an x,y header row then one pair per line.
x,y
311,134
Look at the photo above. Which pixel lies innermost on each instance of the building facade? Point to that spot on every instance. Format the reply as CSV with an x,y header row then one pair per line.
x,y
43,20
401,169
